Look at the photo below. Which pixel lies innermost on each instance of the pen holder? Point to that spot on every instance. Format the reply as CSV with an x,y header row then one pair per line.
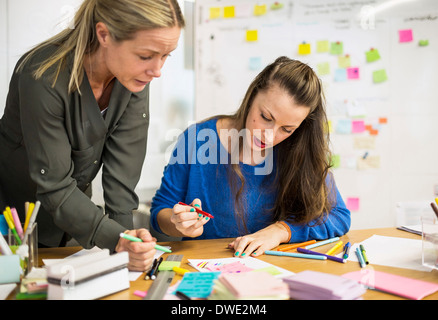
x,y
429,242
28,251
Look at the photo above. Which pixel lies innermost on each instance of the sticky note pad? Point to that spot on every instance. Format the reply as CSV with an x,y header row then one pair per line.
x,y
260,10
168,265
372,55
323,68
255,63
251,35
335,160
322,46
198,284
379,76
357,126
423,43
215,12
10,269
353,73
304,48
276,5
353,204
405,35
229,12
344,61
336,48
340,75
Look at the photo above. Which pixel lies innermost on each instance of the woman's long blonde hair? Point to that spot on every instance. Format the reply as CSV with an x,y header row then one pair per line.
x,y
122,17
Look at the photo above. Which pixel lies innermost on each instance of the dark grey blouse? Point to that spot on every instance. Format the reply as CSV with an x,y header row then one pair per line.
x,y
52,145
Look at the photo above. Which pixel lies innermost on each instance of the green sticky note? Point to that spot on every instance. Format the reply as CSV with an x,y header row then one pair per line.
x,y
423,43
323,68
271,270
335,160
336,48
372,55
379,76
344,61
168,265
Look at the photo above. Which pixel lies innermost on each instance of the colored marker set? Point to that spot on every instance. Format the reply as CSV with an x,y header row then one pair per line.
x,y
18,243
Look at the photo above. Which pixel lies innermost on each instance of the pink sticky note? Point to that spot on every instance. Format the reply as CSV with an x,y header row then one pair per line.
x,y
405,35
353,73
234,267
353,204
358,126
398,285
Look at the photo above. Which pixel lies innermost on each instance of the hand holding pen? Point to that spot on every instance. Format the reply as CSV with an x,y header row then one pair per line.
x,y
189,220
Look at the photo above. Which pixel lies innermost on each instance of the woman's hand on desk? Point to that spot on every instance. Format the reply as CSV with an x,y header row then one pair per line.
x,y
187,221
141,254
257,243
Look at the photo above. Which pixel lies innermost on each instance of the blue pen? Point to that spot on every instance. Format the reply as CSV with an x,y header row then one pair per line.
x,y
347,250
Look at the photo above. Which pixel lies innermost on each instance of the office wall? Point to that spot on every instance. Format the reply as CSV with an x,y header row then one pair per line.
x,y
378,63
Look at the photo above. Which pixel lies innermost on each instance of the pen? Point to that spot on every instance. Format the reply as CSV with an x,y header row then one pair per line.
x,y
32,218
335,247
29,211
333,258
11,226
364,254
321,243
135,239
434,207
179,270
436,200
359,256
198,210
17,222
347,250
155,271
150,272
296,255
182,295
296,245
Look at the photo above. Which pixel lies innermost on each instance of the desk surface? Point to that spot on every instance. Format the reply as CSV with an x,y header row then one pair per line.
x,y
217,248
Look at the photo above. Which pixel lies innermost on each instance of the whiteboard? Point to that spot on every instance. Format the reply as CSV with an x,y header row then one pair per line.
x,y
383,111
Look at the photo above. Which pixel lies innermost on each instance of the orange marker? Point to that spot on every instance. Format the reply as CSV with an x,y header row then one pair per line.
x,y
296,245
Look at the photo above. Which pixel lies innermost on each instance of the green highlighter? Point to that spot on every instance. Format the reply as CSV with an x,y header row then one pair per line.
x,y
135,239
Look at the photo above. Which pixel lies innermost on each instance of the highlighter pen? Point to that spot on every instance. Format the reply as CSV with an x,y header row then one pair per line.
x,y
135,239
364,254
179,270
347,250
198,210
335,247
13,212
435,208
12,227
295,255
296,245
359,256
322,243
333,258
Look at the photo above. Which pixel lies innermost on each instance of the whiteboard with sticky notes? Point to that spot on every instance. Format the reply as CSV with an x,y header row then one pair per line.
x,y
377,62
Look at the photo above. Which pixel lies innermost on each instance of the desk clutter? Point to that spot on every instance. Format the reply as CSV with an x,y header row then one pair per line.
x,y
97,274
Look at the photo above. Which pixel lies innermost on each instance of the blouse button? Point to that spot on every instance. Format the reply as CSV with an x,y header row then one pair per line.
x,y
144,115
43,171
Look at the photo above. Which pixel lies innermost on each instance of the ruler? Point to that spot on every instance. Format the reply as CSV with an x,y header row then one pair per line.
x,y
161,283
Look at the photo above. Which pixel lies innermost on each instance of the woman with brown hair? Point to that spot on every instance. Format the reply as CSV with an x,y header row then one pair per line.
x,y
80,101
263,173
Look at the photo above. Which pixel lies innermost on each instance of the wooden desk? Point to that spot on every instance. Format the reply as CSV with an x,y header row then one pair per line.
x,y
208,249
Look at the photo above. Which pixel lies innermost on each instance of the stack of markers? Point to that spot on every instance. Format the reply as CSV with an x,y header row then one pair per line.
x,y
10,220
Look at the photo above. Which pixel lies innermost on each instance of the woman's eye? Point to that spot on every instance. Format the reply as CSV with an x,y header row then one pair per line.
x,y
287,131
265,118
145,58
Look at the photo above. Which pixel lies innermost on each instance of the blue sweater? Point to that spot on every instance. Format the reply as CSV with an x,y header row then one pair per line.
x,y
195,171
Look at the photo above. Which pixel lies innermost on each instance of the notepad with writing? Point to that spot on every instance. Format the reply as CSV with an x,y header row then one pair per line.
x,y
394,284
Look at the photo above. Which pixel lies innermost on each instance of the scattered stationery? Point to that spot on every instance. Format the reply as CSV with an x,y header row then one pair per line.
x,y
204,265
296,245
249,286
89,276
312,285
321,243
296,255
333,258
334,248
346,250
197,284
394,284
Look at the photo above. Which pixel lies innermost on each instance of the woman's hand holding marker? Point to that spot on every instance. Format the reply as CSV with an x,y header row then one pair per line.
x,y
187,221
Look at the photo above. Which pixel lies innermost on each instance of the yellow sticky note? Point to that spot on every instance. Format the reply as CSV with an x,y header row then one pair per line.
x,y
344,61
322,46
323,68
251,35
260,10
304,48
229,12
215,12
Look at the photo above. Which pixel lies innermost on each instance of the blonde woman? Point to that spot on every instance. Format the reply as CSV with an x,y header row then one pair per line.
x,y
263,173
80,101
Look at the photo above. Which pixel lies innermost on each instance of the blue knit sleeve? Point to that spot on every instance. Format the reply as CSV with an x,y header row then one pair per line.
x,y
337,222
174,184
